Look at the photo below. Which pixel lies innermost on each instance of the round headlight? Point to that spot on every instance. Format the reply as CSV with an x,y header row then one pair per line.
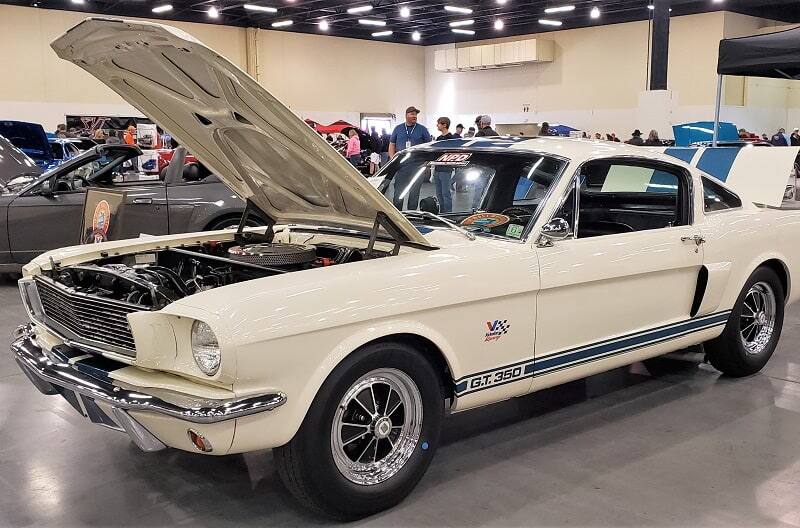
x,y
205,348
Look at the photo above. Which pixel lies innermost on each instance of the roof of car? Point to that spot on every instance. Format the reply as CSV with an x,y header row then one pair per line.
x,y
578,148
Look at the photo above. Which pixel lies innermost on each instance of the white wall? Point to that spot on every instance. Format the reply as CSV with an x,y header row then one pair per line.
x,y
320,77
595,81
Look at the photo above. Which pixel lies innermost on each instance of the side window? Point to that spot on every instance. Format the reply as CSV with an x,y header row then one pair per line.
x,y
718,198
625,197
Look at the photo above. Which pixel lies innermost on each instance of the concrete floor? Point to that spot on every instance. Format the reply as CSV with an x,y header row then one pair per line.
x,y
618,449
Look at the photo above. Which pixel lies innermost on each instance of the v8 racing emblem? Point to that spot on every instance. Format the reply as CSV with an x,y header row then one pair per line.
x,y
497,329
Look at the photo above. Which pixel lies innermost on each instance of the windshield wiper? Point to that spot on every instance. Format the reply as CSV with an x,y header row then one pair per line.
x,y
449,223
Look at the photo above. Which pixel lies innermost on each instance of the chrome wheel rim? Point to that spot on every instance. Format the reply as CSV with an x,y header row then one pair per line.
x,y
376,427
757,322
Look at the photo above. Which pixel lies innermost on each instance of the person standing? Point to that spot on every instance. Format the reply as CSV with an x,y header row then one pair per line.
x,y
779,139
385,139
442,176
61,131
794,139
470,133
130,135
653,140
408,134
459,131
486,129
636,138
353,152
443,126
376,140
545,129
407,181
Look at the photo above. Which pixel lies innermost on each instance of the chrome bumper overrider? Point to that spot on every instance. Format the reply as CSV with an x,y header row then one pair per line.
x,y
52,377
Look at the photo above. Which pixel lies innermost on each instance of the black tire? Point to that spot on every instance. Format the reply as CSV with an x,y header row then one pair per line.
x,y
233,221
307,465
728,353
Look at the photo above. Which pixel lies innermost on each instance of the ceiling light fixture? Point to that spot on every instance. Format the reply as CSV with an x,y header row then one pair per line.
x,y
281,23
501,2
265,9
416,37
323,25
79,2
498,25
548,22
595,12
371,22
459,23
382,33
456,9
162,8
463,31
559,9
651,6
405,12
213,12
360,9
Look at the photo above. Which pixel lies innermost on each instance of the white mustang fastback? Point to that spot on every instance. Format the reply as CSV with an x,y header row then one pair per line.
x,y
342,332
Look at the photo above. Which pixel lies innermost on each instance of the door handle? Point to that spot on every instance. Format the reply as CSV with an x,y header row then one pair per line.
x,y
696,239
143,201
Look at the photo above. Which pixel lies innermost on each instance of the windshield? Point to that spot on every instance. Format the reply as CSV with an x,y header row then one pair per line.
x,y
483,192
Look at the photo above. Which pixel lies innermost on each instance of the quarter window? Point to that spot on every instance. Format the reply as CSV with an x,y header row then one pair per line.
x,y
718,198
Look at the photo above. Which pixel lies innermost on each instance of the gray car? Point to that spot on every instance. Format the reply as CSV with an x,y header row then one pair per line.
x,y
43,212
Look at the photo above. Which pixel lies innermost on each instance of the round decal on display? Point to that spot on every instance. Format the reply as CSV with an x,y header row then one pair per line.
x,y
101,221
486,220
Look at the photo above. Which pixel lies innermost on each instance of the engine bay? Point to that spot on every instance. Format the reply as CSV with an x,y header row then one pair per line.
x,y
153,279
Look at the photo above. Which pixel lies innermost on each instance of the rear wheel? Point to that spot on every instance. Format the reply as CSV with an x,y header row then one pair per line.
x,y
753,328
369,435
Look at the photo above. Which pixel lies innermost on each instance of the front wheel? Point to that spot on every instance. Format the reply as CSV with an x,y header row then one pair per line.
x,y
369,435
753,328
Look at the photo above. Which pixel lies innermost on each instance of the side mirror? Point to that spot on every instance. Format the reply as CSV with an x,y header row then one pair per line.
x,y
556,229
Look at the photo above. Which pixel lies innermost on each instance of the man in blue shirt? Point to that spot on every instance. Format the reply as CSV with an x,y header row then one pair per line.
x,y
407,181
408,134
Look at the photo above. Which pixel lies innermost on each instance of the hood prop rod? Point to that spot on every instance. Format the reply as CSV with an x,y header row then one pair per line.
x,y
243,238
383,220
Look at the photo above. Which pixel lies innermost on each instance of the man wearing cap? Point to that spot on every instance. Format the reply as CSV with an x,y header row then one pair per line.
x,y
408,134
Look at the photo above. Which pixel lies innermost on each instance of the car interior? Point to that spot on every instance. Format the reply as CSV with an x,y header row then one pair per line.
x,y
625,197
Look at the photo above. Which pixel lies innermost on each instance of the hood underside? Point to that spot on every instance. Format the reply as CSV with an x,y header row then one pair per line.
x,y
254,143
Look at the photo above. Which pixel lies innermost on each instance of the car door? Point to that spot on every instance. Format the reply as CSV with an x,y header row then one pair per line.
x,y
47,216
626,276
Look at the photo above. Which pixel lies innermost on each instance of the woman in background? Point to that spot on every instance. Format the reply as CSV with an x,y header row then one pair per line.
x,y
653,140
353,152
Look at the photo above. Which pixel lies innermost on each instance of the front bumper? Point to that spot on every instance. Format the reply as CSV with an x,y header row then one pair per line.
x,y
84,391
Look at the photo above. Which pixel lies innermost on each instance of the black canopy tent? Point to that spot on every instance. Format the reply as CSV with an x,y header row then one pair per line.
x,y
775,55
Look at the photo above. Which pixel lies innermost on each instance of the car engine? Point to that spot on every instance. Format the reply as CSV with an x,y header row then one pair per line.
x,y
154,279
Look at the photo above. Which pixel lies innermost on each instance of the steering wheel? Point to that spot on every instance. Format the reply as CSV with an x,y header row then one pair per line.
x,y
516,212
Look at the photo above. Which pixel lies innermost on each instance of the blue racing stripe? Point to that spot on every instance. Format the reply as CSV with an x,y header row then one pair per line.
x,y
585,354
682,153
718,161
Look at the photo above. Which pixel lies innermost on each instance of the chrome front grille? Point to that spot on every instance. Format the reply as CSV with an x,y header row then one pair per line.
x,y
87,319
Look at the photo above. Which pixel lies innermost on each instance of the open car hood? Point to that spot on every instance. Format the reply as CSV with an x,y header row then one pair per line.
x,y
243,134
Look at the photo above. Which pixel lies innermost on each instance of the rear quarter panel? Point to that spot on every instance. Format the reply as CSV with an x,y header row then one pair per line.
x,y
193,206
738,242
